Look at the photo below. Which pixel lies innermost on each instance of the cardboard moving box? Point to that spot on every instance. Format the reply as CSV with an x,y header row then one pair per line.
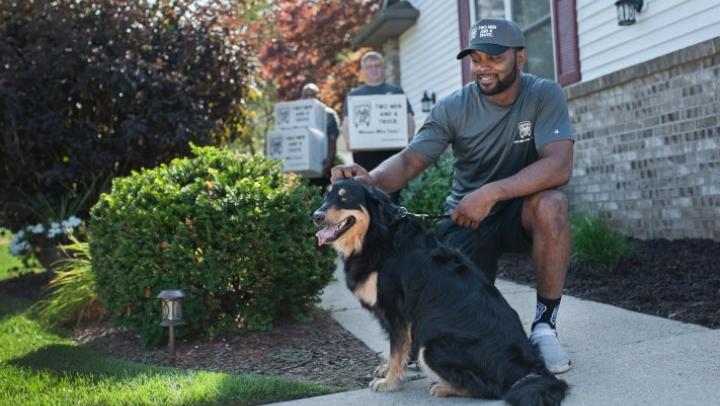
x,y
377,122
299,114
302,150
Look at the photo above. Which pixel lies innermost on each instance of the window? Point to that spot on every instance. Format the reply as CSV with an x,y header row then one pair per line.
x,y
533,16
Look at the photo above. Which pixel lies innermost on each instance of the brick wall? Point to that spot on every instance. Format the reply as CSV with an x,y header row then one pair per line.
x,y
647,155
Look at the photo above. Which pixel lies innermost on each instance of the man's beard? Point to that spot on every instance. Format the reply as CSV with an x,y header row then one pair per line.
x,y
502,83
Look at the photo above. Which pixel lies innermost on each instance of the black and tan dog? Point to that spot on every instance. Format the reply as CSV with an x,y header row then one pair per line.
x,y
432,301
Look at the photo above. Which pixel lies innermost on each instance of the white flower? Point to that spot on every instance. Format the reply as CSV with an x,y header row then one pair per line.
x,y
18,249
18,244
37,228
55,229
71,222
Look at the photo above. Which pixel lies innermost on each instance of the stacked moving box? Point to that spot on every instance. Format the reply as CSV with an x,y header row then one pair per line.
x,y
299,138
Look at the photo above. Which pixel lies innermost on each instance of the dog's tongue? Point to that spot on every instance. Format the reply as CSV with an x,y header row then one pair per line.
x,y
323,235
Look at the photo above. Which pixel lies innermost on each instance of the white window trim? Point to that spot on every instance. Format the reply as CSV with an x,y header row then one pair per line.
x,y
508,9
507,5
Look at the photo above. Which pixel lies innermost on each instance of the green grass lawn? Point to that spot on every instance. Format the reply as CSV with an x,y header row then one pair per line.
x,y
40,367
7,261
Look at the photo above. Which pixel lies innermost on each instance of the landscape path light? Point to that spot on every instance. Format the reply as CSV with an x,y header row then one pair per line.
x,y
171,314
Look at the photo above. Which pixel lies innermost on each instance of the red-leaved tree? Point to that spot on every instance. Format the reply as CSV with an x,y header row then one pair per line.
x,y
311,43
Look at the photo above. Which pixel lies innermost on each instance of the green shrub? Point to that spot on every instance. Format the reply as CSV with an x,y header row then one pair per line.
x,y
232,231
427,193
596,245
70,296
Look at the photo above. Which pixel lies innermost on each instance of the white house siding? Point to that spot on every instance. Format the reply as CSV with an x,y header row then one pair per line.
x,y
663,26
427,53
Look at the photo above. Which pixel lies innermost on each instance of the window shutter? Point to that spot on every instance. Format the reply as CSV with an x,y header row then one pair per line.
x,y
567,54
464,28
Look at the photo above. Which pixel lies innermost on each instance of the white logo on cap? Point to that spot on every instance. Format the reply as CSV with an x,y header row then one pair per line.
x,y
483,31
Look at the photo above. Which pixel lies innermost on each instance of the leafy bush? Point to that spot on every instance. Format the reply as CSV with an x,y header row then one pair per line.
x,y
91,89
596,245
233,232
427,193
70,296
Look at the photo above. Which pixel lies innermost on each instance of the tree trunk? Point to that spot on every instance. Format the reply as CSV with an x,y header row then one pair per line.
x,y
48,256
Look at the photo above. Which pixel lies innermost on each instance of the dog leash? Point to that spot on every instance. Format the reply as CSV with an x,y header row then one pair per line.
x,y
404,212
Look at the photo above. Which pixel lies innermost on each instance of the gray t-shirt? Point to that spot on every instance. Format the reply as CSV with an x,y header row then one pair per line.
x,y
489,141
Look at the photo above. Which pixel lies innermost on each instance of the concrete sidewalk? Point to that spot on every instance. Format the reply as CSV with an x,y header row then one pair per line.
x,y
619,357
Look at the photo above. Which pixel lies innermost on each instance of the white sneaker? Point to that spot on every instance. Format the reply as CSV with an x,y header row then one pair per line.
x,y
556,359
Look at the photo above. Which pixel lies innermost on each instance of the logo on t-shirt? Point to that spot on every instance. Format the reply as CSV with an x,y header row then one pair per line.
x,y
524,132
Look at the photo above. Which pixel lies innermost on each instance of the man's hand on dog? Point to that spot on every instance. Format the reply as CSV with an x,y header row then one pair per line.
x,y
351,171
473,209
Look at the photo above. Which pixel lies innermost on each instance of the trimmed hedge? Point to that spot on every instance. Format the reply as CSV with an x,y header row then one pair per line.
x,y
232,231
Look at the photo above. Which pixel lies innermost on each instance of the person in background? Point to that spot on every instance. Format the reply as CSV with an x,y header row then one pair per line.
x,y
512,143
373,68
332,130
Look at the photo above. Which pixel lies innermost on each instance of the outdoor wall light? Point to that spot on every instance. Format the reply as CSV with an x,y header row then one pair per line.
x,y
626,10
427,101
171,314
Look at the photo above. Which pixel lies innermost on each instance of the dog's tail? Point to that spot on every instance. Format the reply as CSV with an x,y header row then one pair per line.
x,y
537,390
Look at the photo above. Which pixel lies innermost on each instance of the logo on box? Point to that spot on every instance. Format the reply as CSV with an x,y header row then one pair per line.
x,y
361,114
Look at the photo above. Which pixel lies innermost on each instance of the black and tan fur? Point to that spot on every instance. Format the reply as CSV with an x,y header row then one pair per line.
x,y
432,301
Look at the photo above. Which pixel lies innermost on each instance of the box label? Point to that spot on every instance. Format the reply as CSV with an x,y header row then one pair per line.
x,y
300,114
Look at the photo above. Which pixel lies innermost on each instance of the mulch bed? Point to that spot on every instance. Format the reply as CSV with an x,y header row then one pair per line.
x,y
319,351
25,286
677,279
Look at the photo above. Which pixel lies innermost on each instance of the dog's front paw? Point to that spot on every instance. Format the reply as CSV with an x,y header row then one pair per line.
x,y
438,389
384,384
444,390
381,371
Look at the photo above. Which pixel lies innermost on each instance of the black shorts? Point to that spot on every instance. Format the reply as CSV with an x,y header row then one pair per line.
x,y
370,159
500,232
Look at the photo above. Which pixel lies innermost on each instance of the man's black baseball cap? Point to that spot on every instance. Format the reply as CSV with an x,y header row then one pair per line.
x,y
493,36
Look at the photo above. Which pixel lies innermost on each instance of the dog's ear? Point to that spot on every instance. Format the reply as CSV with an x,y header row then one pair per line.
x,y
379,205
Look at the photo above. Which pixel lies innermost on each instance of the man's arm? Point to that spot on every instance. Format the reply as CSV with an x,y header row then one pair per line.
x,y
392,174
552,170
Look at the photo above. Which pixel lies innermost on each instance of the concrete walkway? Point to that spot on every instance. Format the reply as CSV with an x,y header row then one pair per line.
x,y
620,357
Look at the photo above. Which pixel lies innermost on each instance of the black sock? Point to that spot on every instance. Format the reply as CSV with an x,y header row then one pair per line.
x,y
546,311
